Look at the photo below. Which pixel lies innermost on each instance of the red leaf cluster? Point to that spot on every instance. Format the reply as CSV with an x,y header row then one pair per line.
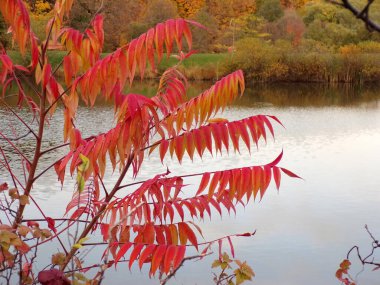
x,y
53,277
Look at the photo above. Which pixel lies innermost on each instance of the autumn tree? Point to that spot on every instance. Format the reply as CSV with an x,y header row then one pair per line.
x,y
114,12
363,11
150,221
40,6
204,40
271,10
225,11
159,10
332,25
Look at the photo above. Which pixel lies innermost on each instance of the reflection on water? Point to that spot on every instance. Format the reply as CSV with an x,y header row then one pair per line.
x,y
331,139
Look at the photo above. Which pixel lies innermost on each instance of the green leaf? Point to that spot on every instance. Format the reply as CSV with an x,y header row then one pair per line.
x,y
85,163
81,182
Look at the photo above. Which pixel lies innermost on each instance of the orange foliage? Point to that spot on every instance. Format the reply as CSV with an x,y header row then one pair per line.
x,y
293,3
294,26
225,11
17,17
188,8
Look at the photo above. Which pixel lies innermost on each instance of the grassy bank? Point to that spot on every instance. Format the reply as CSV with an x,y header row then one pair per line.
x,y
264,63
312,67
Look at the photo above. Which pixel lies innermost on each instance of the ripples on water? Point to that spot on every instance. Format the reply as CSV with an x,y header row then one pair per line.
x,y
332,140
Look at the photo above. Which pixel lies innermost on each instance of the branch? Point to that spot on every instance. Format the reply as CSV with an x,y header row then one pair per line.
x,y
188,245
15,147
363,14
368,260
17,138
100,212
18,117
173,273
36,158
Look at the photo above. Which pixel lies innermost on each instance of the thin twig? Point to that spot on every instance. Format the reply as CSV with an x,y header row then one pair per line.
x,y
173,272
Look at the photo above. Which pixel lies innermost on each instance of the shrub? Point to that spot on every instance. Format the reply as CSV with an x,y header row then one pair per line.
x,y
148,221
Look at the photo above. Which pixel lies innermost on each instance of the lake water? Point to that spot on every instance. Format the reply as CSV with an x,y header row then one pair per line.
x,y
332,140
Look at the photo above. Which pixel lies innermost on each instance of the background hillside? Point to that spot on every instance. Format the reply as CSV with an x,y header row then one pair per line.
x,y
286,40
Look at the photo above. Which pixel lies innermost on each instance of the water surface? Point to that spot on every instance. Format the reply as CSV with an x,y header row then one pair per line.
x,y
332,140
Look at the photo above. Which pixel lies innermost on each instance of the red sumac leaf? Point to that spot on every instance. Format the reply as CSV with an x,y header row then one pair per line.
x,y
277,176
104,229
122,251
46,73
53,276
181,250
160,237
277,120
157,258
173,234
277,160
169,257
204,183
146,253
268,123
135,253
179,210
214,182
185,232
289,173
51,224
149,233
3,187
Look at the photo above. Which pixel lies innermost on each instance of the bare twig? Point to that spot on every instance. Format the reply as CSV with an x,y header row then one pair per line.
x,y
367,260
173,272
17,138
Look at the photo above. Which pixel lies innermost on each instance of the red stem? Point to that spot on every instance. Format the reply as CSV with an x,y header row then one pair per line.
x,y
43,214
19,118
188,245
95,219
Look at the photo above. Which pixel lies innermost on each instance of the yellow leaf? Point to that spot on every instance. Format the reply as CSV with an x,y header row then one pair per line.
x,y
81,182
80,242
58,258
13,193
83,240
24,200
23,230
